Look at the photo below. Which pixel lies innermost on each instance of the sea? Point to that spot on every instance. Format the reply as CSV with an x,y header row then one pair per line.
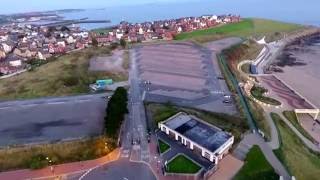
x,y
294,11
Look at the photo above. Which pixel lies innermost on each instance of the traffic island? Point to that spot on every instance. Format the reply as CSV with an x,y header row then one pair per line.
x,y
163,147
181,164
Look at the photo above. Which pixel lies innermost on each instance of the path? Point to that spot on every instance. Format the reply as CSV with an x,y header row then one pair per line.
x,y
254,139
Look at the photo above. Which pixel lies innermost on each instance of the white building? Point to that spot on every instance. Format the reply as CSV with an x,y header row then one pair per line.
x,y
198,135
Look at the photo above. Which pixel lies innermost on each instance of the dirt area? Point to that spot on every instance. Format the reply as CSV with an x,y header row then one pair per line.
x,y
228,168
113,63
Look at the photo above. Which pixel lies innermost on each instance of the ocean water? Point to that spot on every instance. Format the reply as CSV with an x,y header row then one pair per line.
x,y
295,11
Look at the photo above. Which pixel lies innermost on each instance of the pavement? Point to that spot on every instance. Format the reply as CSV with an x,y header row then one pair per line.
x,y
43,120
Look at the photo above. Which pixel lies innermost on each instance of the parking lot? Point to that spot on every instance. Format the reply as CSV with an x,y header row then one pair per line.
x,y
182,73
48,120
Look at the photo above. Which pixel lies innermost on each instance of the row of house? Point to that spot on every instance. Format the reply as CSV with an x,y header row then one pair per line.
x,y
21,43
164,29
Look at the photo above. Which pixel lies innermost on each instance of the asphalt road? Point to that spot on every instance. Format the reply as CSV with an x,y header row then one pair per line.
x,y
121,170
51,119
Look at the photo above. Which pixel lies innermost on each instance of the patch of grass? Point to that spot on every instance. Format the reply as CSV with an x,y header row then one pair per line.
x,y
273,30
64,75
163,146
258,93
182,164
301,162
256,167
260,120
35,156
292,117
162,112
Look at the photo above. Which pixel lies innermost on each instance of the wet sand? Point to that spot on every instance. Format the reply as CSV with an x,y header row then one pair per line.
x,y
300,62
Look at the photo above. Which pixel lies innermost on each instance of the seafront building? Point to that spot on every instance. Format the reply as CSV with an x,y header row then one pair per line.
x,y
201,137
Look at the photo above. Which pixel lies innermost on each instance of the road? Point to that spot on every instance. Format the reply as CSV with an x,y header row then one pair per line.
x,y
133,160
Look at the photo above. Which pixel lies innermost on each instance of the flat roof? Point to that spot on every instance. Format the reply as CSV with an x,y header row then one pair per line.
x,y
205,135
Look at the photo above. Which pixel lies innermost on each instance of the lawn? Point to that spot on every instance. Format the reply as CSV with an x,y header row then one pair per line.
x,y
161,112
182,164
163,147
245,28
292,117
258,93
65,75
299,160
256,167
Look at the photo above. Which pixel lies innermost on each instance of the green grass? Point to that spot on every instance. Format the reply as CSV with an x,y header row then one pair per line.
x,y
245,28
301,162
182,164
163,147
162,112
258,93
256,167
65,75
292,117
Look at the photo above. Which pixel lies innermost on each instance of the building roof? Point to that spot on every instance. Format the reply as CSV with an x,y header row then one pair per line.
x,y
205,135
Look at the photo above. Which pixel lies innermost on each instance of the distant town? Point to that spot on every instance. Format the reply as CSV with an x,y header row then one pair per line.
x,y
21,44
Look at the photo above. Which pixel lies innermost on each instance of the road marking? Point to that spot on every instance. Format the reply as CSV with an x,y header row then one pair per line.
x,y
53,103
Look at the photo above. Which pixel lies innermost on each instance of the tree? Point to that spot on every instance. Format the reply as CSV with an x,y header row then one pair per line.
x,y
123,43
95,42
115,112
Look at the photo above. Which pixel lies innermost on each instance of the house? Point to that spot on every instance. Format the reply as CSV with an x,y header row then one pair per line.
x,y
2,54
7,47
44,55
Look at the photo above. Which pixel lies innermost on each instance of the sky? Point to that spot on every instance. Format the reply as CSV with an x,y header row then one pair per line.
x,y
18,6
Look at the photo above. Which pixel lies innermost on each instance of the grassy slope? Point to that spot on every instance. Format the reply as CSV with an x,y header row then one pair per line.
x,y
256,167
300,161
247,27
80,150
65,75
291,116
182,164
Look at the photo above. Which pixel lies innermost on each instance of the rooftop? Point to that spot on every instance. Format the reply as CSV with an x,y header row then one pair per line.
x,y
207,136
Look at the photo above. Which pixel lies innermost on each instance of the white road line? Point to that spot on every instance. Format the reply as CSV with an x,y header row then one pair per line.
x,y
53,103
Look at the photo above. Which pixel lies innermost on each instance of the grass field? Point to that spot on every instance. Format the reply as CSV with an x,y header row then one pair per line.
x,y
235,125
256,167
163,147
32,156
65,75
258,93
299,160
292,117
182,164
247,27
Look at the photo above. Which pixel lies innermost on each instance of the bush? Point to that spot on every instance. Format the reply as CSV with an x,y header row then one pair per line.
x,y
38,161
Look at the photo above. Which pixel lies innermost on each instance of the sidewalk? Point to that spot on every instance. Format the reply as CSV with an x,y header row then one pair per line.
x,y
60,170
